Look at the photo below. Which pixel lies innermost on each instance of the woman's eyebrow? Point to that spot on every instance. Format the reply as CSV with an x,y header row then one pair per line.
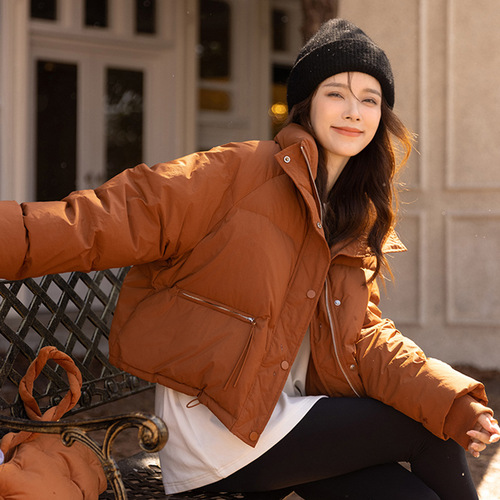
x,y
345,86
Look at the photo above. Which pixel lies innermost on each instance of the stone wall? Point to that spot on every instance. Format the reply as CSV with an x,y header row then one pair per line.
x,y
447,69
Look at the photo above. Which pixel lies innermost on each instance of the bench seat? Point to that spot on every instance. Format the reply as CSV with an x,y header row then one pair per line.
x,y
73,312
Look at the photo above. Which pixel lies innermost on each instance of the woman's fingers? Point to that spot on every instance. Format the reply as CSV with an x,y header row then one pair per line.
x,y
475,446
487,422
483,436
473,452
485,432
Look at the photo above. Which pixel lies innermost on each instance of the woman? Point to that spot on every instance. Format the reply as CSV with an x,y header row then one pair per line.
x,y
252,302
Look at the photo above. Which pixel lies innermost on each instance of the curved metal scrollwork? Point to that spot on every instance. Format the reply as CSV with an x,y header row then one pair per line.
x,y
152,434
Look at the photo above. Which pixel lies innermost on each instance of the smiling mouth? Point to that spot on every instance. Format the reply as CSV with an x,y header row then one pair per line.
x,y
348,131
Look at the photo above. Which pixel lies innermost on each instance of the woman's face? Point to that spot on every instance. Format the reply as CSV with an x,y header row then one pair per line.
x,y
345,114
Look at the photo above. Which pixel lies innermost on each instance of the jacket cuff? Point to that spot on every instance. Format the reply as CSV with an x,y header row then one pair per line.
x,y
462,417
13,242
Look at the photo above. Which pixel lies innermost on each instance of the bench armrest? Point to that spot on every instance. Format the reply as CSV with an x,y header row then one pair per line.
x,y
152,434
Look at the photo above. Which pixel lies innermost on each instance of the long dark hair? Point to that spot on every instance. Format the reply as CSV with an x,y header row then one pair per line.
x,y
362,203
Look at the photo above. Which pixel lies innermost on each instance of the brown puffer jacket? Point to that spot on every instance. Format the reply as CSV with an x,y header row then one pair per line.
x,y
231,268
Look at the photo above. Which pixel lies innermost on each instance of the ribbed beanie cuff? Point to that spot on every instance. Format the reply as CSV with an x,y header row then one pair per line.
x,y
339,46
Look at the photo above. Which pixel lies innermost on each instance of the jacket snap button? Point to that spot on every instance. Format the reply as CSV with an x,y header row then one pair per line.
x,y
286,159
311,294
254,436
352,367
337,302
284,365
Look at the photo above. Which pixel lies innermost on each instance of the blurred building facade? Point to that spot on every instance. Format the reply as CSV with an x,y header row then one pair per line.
x,y
88,88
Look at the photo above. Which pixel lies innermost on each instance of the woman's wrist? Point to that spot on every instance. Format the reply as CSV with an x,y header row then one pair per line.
x,y
462,417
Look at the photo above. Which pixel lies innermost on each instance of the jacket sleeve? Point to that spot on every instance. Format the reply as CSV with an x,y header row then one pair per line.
x,y
395,371
141,215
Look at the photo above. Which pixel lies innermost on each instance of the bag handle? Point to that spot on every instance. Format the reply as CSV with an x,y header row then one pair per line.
x,y
32,373
13,439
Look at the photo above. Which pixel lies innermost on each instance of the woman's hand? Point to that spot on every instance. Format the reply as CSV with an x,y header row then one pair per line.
x,y
485,432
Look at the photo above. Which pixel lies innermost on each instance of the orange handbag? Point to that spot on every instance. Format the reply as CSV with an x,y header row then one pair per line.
x,y
39,465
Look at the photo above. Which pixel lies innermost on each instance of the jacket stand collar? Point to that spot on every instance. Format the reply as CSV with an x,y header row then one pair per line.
x,y
291,139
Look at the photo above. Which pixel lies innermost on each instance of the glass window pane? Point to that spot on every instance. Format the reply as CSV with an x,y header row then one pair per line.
x,y
145,16
215,43
96,13
124,119
215,100
280,30
56,107
44,9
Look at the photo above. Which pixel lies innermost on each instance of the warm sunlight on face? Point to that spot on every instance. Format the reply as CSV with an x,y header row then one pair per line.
x,y
345,114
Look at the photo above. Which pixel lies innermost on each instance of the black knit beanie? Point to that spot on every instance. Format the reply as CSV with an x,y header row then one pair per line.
x,y
339,46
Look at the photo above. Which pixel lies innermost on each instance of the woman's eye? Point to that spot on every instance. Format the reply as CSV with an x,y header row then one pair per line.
x,y
334,94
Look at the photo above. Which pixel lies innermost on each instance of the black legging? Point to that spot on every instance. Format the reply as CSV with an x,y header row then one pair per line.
x,y
350,448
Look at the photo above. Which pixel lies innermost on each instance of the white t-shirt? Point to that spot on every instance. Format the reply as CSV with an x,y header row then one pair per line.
x,y
201,450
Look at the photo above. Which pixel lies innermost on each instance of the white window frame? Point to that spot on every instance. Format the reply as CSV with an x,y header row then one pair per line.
x,y
91,126
93,50
249,83
294,13
159,57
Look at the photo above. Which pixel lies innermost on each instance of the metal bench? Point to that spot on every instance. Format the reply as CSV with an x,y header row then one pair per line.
x,y
73,312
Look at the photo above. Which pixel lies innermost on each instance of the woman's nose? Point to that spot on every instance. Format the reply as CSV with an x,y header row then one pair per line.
x,y
352,111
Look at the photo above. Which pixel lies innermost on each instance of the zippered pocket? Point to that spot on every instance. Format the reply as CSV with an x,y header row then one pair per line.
x,y
235,314
217,306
